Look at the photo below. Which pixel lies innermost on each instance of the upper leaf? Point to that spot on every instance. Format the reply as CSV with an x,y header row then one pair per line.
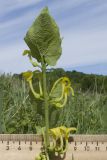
x,y
43,38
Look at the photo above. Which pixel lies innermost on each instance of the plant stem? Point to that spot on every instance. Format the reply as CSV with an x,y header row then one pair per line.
x,y
46,105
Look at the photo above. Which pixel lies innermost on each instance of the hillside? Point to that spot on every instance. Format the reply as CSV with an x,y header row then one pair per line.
x,y
99,68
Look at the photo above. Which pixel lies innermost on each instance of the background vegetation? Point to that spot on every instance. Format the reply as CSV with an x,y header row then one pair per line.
x,y
20,113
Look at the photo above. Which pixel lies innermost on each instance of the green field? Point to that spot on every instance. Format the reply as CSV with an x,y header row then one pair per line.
x,y
87,110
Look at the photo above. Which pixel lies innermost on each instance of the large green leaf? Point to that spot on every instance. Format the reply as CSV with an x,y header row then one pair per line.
x,y
43,38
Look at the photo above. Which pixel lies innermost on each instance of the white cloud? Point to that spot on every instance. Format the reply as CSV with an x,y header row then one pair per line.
x,y
11,59
79,48
9,5
7,26
84,45
65,5
17,4
82,48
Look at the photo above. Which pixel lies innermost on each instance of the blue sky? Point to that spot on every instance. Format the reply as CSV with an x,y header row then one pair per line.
x,y
83,24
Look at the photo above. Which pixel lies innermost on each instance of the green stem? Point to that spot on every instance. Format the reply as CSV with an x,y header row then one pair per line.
x,y
46,104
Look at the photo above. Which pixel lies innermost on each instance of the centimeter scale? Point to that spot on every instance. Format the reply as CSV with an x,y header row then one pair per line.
x,y
27,147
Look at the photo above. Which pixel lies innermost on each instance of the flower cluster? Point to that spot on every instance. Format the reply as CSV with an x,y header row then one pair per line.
x,y
59,92
60,136
58,141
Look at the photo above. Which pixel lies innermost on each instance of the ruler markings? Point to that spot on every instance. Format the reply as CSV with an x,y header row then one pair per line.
x,y
16,146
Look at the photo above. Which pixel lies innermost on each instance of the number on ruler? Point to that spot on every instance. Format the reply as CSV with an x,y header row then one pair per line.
x,y
87,148
30,147
7,147
19,148
97,148
75,147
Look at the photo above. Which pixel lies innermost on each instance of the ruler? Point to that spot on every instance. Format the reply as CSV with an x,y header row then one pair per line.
x,y
27,147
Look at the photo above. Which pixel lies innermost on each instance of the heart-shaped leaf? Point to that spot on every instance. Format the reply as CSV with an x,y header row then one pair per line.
x,y
43,39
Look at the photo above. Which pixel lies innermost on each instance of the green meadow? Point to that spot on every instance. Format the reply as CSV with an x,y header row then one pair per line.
x,y
87,110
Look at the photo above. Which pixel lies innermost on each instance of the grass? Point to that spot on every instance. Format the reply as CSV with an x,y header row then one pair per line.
x,y
86,111
21,114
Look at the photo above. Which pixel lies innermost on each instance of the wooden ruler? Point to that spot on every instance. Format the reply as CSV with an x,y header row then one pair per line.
x,y
27,147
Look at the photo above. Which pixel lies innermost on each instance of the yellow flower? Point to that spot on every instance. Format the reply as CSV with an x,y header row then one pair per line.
x,y
55,132
66,131
56,135
28,75
60,91
66,81
61,134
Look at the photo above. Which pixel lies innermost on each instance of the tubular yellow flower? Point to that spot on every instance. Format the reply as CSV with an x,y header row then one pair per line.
x,y
62,129
36,95
72,91
56,134
60,137
65,132
63,85
38,75
66,81
68,87
27,75
59,148
69,90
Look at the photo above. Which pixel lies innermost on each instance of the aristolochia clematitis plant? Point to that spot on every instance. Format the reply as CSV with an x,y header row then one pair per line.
x,y
44,42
